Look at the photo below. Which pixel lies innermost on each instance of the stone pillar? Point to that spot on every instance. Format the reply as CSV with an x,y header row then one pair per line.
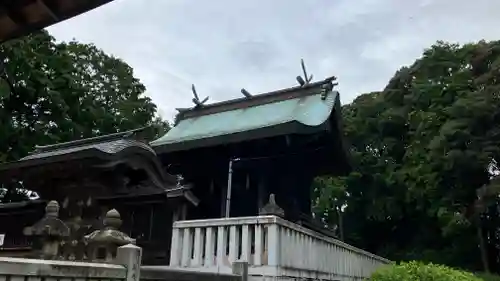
x,y
130,256
240,268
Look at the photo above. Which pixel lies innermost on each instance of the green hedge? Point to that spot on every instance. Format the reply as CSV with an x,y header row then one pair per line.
x,y
488,277
417,271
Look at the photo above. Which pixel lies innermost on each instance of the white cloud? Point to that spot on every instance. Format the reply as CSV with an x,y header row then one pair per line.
x,y
223,45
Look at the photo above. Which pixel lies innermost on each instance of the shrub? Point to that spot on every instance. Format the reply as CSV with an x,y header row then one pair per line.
x,y
488,277
417,271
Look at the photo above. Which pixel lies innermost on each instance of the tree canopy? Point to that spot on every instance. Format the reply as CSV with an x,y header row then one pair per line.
x,y
65,91
425,151
53,92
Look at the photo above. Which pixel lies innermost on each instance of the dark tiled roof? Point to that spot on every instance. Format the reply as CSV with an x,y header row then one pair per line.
x,y
100,147
112,148
104,151
108,147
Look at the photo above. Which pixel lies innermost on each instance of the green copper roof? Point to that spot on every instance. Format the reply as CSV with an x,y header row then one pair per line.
x,y
288,114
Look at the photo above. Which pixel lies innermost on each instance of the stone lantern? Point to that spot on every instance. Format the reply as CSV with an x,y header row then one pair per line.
x,y
271,208
102,244
50,231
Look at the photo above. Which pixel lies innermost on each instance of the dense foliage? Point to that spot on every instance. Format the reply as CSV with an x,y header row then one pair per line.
x,y
425,152
488,276
65,91
414,271
54,92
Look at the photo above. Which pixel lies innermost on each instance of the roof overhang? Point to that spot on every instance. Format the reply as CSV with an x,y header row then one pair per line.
x,y
21,207
75,154
21,17
260,133
298,110
103,153
176,194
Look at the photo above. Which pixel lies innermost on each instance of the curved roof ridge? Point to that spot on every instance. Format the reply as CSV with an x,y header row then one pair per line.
x,y
255,100
86,141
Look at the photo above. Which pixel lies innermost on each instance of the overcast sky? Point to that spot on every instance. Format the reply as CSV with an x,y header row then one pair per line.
x,y
224,45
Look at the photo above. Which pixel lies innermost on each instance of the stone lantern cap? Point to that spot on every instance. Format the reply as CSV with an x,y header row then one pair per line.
x,y
50,225
110,233
271,208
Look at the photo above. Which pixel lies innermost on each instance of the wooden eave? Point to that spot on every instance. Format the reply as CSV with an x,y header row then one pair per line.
x,y
171,195
104,152
21,17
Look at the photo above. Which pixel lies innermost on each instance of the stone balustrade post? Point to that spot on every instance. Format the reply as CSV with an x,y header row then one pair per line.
x,y
240,268
130,256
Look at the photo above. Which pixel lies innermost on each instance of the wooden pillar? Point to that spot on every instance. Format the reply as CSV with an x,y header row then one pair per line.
x,y
176,214
184,211
262,191
180,213
223,193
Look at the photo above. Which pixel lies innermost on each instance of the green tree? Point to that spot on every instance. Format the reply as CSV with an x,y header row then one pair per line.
x,y
56,92
423,149
66,91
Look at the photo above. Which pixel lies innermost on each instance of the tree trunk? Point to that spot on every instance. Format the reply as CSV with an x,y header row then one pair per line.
x,y
482,246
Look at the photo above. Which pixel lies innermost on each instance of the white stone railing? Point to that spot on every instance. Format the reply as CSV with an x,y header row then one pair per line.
x,y
271,246
36,270
127,268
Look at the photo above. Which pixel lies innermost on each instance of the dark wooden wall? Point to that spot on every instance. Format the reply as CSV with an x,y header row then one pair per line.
x,y
151,224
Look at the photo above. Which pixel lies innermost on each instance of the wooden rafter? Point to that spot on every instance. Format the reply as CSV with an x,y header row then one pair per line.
x,y
21,17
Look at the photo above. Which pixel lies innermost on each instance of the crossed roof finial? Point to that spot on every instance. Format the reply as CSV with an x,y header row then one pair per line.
x,y
196,100
306,79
